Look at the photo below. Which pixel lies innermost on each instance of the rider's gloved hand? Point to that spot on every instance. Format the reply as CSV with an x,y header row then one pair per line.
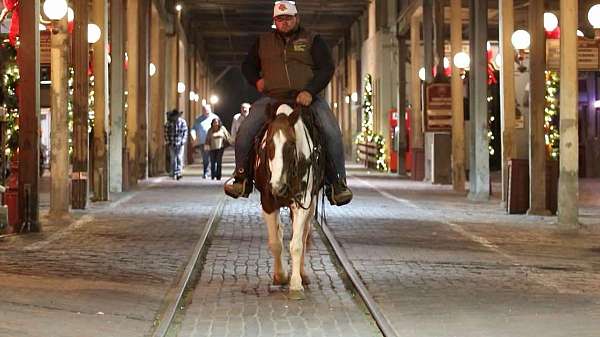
x,y
304,98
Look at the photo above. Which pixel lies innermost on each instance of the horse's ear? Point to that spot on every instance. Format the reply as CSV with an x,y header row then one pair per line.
x,y
293,117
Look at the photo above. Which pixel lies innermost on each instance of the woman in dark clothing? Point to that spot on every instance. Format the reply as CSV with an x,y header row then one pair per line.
x,y
218,139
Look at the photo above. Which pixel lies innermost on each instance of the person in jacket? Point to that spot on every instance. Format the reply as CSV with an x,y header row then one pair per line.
x,y
218,139
290,63
238,119
176,132
199,131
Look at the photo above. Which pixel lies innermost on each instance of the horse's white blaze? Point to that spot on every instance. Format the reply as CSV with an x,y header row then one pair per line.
x,y
276,164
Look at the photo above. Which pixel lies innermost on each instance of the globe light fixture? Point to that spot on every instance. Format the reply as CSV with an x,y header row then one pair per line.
x,y
347,99
151,69
521,39
594,16
70,14
422,73
594,19
178,7
354,97
580,33
192,96
94,33
55,9
550,22
214,99
498,61
462,60
181,87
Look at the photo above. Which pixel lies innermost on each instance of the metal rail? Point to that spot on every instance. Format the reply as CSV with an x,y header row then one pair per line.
x,y
175,295
382,322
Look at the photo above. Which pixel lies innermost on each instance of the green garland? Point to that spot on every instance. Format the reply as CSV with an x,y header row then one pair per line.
x,y
367,135
10,102
552,114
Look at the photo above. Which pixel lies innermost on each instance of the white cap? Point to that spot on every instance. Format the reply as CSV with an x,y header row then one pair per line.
x,y
284,8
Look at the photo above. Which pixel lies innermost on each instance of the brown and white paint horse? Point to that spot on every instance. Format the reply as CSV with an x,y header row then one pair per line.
x,y
285,177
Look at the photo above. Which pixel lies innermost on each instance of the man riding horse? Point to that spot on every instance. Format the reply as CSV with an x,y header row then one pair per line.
x,y
290,63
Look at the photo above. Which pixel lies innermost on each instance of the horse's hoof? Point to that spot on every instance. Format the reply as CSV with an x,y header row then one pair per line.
x,y
280,280
296,295
305,280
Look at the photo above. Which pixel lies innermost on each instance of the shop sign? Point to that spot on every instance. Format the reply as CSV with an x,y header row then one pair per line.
x,y
587,55
45,47
438,107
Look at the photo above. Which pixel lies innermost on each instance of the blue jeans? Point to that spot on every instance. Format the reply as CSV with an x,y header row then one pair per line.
x,y
332,136
205,160
176,152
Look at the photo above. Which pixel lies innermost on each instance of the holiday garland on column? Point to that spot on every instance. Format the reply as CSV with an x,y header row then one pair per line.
x,y
10,102
367,135
551,114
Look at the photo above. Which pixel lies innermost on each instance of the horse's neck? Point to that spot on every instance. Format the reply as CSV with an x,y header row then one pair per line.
x,y
303,141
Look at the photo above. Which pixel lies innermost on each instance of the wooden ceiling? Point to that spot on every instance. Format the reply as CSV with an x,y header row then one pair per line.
x,y
227,28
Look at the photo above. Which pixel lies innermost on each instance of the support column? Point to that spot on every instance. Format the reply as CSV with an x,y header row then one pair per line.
x,y
163,80
507,90
428,39
402,99
59,137
568,184
458,122
29,117
480,163
100,162
416,120
117,99
80,107
156,110
143,88
537,93
133,89
188,104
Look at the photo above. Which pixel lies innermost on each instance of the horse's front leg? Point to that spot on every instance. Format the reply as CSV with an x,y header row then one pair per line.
x,y
276,246
305,239
299,223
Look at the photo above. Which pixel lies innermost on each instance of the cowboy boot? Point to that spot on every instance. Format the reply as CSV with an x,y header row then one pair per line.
x,y
338,193
241,187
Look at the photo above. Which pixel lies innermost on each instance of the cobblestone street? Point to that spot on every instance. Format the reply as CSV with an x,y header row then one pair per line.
x,y
106,272
441,266
234,296
437,265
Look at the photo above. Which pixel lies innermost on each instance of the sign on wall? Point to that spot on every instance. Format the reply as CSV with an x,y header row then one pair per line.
x,y
438,107
587,55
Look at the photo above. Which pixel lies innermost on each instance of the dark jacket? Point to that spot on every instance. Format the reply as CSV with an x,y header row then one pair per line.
x,y
303,63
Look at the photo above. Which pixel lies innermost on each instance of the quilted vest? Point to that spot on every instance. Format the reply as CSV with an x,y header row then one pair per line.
x,y
286,67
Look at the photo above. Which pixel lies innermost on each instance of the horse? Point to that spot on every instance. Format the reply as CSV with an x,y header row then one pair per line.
x,y
289,173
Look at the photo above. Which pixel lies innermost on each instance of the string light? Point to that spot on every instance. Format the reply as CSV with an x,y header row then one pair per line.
x,y
367,135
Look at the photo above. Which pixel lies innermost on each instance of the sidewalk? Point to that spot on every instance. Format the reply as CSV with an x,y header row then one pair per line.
x,y
106,272
441,266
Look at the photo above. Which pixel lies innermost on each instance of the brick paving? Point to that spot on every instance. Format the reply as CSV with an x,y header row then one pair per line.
x,y
441,266
106,272
234,295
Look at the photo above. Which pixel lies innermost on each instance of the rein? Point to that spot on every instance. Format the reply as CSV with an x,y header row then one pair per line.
x,y
300,167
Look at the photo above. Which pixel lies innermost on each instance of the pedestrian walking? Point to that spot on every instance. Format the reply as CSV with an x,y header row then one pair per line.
x,y
176,131
238,119
218,139
199,130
